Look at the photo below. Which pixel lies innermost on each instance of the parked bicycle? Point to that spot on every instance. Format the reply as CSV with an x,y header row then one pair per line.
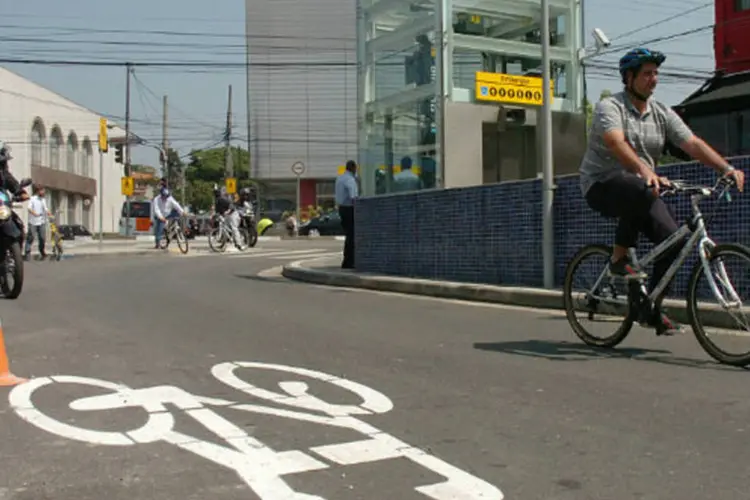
x,y
615,297
174,229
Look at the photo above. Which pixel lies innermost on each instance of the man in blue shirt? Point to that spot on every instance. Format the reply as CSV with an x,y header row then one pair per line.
x,y
347,190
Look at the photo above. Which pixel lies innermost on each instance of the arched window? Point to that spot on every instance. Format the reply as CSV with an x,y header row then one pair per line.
x,y
55,148
38,135
71,161
87,159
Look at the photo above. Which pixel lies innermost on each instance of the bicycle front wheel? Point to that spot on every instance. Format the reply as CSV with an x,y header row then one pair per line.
x,y
596,303
716,310
182,242
216,240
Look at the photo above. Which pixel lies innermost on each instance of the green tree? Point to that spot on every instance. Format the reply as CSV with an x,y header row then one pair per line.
x,y
175,166
206,168
145,169
209,164
199,195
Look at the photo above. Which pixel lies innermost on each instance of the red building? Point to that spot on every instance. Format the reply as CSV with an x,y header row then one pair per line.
x,y
720,110
732,36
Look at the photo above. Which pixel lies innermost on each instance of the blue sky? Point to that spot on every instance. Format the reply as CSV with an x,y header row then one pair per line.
x,y
50,29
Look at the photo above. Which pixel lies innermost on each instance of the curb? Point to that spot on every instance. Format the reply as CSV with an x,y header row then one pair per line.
x,y
517,296
311,238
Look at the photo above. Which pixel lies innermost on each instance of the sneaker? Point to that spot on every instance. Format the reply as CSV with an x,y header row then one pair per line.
x,y
664,325
624,269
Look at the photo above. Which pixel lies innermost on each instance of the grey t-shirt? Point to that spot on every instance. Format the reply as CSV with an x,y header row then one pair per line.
x,y
647,134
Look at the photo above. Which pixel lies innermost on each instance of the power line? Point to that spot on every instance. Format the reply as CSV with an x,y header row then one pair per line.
x,y
662,21
178,33
175,64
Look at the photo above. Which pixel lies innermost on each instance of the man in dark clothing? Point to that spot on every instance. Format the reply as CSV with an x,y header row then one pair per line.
x,y
7,179
347,190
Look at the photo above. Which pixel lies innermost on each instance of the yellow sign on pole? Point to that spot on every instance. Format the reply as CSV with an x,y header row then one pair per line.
x,y
499,87
128,186
231,184
103,139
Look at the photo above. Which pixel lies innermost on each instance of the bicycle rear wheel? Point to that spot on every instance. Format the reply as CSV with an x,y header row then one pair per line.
x,y
603,301
720,309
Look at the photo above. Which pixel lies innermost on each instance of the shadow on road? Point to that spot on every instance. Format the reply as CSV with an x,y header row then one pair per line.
x,y
569,351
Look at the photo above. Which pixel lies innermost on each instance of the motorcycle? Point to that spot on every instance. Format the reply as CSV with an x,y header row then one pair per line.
x,y
11,241
248,230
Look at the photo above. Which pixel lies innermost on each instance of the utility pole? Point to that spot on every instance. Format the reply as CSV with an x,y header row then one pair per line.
x,y
248,105
548,180
228,163
129,70
165,142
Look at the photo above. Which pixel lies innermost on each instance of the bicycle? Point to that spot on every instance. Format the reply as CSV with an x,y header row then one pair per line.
x,y
57,245
635,303
174,229
221,234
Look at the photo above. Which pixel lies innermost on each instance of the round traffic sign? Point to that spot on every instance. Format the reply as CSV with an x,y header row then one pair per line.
x,y
298,168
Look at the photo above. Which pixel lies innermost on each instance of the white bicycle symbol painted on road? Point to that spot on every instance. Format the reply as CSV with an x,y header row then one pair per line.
x,y
259,466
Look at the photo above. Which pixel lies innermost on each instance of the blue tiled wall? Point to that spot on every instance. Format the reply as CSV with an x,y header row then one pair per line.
x,y
492,234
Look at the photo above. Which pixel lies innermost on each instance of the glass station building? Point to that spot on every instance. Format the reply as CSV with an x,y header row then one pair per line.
x,y
452,88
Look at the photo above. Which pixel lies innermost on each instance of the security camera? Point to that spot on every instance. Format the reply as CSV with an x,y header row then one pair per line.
x,y
601,39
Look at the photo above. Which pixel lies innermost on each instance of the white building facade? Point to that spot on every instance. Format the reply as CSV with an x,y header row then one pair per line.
x,y
54,141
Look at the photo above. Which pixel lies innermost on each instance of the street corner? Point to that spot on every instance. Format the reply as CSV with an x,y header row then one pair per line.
x,y
330,274
323,274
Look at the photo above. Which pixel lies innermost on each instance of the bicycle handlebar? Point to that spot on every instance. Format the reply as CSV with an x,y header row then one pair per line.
x,y
723,184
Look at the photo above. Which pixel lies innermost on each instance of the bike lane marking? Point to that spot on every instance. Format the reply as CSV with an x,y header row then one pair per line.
x,y
259,466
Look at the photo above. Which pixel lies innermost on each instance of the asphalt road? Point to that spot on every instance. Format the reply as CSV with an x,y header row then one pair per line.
x,y
493,398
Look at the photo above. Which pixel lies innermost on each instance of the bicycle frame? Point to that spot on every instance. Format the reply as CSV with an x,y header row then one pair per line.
x,y
695,228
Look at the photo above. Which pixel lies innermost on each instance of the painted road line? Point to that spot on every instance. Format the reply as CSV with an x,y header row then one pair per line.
x,y
291,253
258,465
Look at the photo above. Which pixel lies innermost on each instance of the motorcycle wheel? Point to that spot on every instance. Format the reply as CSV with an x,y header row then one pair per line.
x,y
251,237
13,259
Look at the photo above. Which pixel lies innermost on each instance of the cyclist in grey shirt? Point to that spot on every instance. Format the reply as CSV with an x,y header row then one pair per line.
x,y
628,135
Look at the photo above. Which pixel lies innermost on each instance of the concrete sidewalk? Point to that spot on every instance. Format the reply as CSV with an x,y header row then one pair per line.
x,y
327,272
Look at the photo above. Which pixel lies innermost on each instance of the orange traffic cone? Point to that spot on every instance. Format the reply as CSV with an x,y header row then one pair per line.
x,y
7,379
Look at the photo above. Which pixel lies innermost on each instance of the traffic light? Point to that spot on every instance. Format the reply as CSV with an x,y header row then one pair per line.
x,y
118,154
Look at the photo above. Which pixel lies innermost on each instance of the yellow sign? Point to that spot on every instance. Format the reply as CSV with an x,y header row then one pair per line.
x,y
499,87
127,184
231,184
103,139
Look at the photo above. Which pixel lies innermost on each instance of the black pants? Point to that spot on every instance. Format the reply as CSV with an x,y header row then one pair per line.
x,y
347,222
639,211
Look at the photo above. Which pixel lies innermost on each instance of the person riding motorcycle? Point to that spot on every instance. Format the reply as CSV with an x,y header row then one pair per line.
x,y
225,206
7,179
244,205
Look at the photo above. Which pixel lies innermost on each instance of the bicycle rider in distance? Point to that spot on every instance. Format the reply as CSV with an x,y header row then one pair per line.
x,y
628,135
165,207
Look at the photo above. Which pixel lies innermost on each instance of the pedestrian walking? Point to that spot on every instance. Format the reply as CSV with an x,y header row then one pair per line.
x,y
347,190
38,214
